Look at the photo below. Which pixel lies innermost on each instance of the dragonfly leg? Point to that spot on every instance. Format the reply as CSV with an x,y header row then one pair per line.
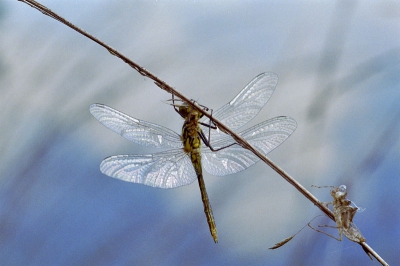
x,y
209,127
327,203
322,232
207,143
328,226
209,124
175,106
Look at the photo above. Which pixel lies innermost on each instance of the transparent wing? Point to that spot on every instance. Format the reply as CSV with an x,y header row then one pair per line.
x,y
167,169
246,105
265,137
135,130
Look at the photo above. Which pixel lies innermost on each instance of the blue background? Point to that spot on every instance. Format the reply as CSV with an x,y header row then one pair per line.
x,y
338,64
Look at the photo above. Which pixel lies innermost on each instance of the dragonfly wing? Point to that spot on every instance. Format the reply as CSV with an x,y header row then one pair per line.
x,y
167,169
135,130
228,161
247,104
265,137
269,134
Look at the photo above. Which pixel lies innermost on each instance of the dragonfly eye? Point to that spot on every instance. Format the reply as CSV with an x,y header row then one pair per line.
x,y
188,112
339,192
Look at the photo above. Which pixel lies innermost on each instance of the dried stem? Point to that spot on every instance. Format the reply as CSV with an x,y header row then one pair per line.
x,y
163,85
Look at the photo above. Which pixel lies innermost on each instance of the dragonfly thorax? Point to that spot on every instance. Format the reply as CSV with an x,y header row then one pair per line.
x,y
190,129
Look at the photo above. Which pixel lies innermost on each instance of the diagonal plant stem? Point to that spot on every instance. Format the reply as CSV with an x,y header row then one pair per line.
x,y
241,141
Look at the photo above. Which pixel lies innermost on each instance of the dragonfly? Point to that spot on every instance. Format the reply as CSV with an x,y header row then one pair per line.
x,y
344,214
181,164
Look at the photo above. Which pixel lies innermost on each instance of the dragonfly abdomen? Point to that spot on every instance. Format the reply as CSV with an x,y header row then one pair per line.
x,y
195,157
208,209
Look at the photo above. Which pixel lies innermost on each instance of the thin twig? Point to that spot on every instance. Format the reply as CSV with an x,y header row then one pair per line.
x,y
163,85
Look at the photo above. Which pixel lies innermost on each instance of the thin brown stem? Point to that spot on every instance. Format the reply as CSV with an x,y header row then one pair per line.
x,y
163,85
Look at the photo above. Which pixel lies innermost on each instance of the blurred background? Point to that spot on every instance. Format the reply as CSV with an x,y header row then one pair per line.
x,y
338,64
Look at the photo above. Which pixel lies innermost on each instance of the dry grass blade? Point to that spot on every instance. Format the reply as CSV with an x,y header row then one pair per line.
x,y
283,242
163,85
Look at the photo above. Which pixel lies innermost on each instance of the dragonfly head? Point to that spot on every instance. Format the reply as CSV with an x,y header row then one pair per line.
x,y
339,192
188,112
